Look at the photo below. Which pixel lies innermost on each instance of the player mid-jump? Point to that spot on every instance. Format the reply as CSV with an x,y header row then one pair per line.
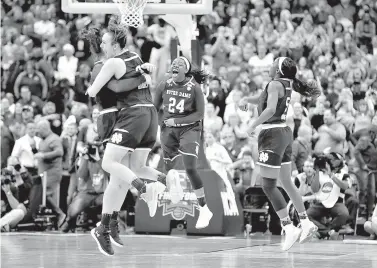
x,y
183,107
275,145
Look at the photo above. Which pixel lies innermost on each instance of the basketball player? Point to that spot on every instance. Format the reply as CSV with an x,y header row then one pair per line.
x,y
275,145
134,131
183,112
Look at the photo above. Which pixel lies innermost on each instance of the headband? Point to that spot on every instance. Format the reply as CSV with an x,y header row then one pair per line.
x,y
281,60
188,65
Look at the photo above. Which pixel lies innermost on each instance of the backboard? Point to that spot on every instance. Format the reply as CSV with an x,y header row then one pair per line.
x,y
152,7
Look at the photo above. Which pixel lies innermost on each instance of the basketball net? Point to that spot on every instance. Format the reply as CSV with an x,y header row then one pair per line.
x,y
132,11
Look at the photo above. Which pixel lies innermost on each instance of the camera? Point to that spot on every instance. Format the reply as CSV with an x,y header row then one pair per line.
x,y
92,147
334,160
7,176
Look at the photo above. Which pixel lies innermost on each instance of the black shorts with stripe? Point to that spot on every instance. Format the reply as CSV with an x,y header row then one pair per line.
x,y
275,146
106,123
136,127
181,140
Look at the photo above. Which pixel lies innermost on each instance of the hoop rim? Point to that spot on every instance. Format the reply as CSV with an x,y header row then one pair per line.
x,y
68,6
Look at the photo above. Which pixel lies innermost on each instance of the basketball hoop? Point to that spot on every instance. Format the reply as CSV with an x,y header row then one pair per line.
x,y
132,11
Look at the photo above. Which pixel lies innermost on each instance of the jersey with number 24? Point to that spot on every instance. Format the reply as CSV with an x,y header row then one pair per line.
x,y
179,99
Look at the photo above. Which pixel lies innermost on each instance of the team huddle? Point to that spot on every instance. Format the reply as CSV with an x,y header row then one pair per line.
x,y
128,126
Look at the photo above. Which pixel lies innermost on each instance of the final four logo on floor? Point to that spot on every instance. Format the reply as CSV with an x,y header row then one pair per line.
x,y
186,206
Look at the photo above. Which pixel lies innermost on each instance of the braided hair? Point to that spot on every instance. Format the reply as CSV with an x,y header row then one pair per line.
x,y
288,69
93,36
199,75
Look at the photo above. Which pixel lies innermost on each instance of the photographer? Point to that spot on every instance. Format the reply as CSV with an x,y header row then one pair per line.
x,y
16,184
87,185
329,193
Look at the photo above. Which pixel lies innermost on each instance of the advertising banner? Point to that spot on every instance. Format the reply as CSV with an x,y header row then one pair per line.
x,y
222,201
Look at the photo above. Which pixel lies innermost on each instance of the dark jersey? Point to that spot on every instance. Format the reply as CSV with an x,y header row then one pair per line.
x,y
139,95
179,100
106,98
282,105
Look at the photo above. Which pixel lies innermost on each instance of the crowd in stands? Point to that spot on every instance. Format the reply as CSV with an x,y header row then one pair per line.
x,y
46,66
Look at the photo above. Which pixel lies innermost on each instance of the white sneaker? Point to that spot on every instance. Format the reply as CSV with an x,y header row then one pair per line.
x,y
205,215
174,184
308,230
151,196
292,233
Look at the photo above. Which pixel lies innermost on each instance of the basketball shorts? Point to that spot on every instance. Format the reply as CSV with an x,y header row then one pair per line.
x,y
105,124
136,127
181,140
275,146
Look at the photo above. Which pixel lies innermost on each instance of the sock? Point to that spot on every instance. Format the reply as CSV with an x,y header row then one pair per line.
x,y
200,196
303,215
162,178
105,221
139,185
114,216
285,221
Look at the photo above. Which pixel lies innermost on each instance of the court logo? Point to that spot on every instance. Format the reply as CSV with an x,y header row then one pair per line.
x,y
185,207
263,157
116,138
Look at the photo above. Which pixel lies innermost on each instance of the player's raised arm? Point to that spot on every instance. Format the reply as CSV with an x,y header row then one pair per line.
x,y
199,113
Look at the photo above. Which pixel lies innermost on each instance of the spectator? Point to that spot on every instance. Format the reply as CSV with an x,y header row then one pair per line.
x,y
34,80
82,83
67,65
50,164
331,136
161,33
25,148
301,149
366,157
365,30
212,122
217,156
44,27
26,98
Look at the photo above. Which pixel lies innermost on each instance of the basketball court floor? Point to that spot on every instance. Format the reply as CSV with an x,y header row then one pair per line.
x,y
50,250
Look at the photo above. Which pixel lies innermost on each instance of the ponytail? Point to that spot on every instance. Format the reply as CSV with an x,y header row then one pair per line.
x,y
200,76
307,89
288,69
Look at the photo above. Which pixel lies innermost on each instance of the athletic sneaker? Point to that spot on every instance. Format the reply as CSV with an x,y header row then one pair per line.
x,y
151,195
308,230
205,215
292,233
174,185
114,233
102,236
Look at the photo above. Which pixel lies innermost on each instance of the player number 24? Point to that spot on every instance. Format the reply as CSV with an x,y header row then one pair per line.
x,y
173,105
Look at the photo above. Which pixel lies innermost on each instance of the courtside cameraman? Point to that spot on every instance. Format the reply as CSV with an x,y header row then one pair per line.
x,y
16,185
